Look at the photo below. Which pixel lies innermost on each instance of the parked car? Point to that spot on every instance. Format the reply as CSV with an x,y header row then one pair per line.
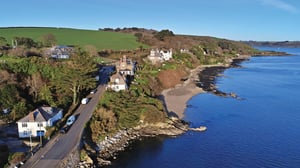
x,y
70,120
19,164
6,111
64,129
93,91
84,100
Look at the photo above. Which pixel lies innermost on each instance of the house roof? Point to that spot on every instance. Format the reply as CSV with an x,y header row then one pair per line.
x,y
119,77
125,64
41,114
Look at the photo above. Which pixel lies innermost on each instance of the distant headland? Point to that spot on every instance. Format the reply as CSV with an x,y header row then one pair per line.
x,y
295,44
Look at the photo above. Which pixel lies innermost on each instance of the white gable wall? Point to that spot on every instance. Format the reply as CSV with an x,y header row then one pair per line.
x,y
119,87
24,128
159,55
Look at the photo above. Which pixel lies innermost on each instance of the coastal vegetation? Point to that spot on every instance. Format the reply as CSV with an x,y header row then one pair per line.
x,y
28,78
35,81
140,104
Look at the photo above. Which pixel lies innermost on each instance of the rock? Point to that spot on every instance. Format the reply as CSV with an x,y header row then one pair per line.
x,y
233,95
201,128
89,161
120,141
103,162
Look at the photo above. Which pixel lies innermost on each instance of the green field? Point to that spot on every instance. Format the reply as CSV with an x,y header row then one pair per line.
x,y
66,36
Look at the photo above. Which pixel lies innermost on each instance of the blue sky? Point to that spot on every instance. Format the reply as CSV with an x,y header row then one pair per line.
x,y
272,20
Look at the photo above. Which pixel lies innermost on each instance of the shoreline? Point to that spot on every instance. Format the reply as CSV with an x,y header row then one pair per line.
x,y
175,99
200,80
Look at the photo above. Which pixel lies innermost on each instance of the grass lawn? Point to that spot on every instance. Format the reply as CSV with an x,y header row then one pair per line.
x,y
66,36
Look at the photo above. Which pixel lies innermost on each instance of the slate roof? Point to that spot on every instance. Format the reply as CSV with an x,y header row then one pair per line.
x,y
41,114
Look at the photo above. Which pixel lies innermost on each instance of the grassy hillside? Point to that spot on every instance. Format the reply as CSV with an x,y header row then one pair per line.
x,y
67,36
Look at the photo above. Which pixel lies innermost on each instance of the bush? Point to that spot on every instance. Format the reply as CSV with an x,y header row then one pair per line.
x,y
162,34
16,157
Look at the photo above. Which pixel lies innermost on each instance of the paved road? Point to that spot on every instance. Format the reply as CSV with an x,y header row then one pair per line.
x,y
60,146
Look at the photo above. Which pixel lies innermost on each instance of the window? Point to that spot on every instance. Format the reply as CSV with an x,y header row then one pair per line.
x,y
27,132
24,124
40,124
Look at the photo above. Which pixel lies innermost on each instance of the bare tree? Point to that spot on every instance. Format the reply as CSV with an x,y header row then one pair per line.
x,y
48,40
34,82
91,50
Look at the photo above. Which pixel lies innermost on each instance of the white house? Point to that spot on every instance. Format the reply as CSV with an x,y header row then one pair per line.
x,y
183,50
166,55
35,123
61,52
159,55
117,82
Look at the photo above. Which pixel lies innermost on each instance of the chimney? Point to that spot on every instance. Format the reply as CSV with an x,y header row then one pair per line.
x,y
31,117
124,58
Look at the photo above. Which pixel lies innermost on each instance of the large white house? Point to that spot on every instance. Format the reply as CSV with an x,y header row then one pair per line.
x,y
35,123
159,55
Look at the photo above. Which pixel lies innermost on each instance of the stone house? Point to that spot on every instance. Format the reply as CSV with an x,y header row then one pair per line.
x,y
125,66
117,82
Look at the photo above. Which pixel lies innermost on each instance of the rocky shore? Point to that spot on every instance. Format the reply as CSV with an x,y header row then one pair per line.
x,y
209,74
109,148
201,79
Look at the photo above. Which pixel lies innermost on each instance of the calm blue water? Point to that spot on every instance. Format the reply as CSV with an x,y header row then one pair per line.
x,y
262,130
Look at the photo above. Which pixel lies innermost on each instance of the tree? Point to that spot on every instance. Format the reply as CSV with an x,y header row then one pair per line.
x,y
76,75
162,34
48,40
3,46
34,82
8,96
25,41
139,36
19,52
19,110
3,42
45,95
91,50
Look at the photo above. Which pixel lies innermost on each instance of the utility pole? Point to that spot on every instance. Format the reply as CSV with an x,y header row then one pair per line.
x,y
41,143
30,141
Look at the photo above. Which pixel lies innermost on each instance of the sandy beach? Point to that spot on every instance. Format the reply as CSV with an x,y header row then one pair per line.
x,y
175,99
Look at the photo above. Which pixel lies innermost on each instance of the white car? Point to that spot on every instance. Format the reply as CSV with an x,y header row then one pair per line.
x,y
70,120
84,100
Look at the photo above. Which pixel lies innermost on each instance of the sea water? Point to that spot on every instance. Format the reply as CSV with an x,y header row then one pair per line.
x,y
261,129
